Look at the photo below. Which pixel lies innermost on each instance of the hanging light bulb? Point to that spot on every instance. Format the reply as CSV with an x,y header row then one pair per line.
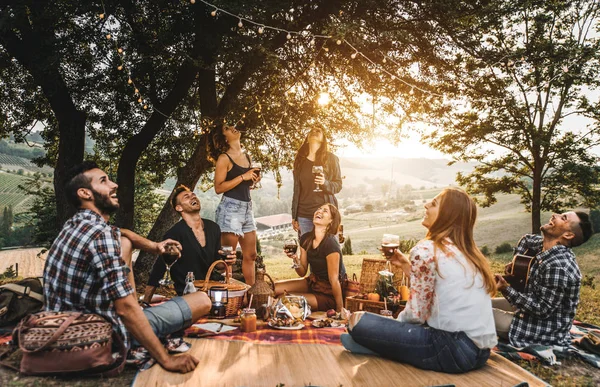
x,y
326,49
288,36
193,2
213,13
119,67
261,29
108,36
101,16
146,106
353,56
240,24
412,91
384,60
338,42
139,100
120,50
129,81
137,91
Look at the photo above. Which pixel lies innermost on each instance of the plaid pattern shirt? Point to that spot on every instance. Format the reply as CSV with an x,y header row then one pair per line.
x,y
84,270
547,307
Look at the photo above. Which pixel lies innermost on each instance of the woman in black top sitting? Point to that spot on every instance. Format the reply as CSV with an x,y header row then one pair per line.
x,y
305,201
233,178
319,250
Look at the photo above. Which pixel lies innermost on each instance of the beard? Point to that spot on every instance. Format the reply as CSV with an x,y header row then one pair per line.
x,y
104,204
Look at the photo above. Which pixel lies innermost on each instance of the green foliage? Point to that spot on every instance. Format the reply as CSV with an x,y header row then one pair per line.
x,y
503,248
588,280
8,273
407,244
485,250
20,151
347,248
521,71
595,219
43,210
258,247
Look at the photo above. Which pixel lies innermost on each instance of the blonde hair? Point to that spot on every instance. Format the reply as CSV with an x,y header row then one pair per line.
x,y
456,219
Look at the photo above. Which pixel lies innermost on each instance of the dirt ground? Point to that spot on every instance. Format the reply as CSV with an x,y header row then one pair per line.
x,y
30,264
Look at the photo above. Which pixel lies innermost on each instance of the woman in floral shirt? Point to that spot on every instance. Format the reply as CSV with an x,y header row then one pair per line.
x,y
447,324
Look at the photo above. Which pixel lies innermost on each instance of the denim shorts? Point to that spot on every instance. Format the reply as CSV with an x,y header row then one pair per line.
x,y
235,216
169,317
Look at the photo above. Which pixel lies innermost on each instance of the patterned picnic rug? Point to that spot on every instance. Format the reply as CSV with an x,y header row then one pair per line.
x,y
585,345
268,335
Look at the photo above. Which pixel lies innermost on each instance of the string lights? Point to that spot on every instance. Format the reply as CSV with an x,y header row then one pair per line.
x,y
374,66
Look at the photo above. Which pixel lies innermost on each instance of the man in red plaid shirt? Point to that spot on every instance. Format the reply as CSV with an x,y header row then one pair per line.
x,y
89,269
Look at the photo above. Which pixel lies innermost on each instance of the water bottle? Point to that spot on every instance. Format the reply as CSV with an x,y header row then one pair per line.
x,y
189,283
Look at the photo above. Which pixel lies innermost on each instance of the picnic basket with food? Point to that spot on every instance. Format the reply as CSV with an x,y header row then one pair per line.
x,y
236,289
369,300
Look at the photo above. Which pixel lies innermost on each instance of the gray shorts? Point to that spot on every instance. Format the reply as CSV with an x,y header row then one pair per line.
x,y
235,216
169,317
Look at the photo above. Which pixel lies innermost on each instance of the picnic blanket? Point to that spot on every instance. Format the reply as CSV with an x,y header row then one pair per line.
x,y
268,335
585,345
226,363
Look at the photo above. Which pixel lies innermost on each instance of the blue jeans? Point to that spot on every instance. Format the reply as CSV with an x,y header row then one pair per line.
x,y
419,345
306,225
167,318
235,216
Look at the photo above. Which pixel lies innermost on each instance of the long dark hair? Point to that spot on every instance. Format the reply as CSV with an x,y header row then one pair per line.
x,y
456,219
321,157
332,228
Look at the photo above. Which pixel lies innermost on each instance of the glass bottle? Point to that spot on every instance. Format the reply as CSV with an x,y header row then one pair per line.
x,y
189,283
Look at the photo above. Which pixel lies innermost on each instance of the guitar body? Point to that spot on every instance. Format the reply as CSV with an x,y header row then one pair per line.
x,y
519,274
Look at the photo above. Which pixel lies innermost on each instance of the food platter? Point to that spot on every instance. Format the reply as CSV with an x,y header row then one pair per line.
x,y
327,323
286,328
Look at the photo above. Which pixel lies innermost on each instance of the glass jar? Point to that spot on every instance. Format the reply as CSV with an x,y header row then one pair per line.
x,y
248,320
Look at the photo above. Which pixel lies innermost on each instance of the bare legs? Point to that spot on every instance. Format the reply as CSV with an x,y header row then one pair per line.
x,y
248,245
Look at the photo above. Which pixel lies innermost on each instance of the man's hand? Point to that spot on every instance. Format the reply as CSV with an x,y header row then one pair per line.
x,y
320,178
230,258
295,225
183,363
167,245
508,268
501,283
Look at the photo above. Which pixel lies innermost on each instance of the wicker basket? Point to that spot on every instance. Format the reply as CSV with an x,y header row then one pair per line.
x,y
369,274
368,280
237,290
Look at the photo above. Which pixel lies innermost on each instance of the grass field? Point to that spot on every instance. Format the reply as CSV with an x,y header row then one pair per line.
x,y
11,195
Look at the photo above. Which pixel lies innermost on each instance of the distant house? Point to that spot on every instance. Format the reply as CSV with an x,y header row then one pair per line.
x,y
273,224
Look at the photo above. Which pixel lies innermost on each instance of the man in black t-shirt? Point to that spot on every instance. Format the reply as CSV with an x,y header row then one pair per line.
x,y
200,240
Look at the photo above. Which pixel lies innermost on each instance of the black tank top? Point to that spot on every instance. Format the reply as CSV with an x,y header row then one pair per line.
x,y
241,191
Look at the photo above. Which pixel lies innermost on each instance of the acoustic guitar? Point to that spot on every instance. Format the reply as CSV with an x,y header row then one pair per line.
x,y
519,273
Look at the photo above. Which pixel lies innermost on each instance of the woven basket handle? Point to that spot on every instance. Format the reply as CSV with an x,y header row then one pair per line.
x,y
63,327
209,272
272,282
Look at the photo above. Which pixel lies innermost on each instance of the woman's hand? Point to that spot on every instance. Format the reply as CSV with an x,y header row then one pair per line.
x,y
320,178
251,175
399,259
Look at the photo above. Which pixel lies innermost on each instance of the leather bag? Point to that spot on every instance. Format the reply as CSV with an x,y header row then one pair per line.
x,y
59,343
19,299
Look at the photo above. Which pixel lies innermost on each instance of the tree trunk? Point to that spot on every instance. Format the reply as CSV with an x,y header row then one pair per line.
x,y
189,175
34,48
536,199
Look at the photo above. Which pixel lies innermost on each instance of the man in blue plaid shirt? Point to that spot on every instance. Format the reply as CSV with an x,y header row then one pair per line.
x,y
89,269
544,312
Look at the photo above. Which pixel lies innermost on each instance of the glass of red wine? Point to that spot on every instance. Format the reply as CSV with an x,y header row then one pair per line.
x,y
290,246
316,170
170,257
258,167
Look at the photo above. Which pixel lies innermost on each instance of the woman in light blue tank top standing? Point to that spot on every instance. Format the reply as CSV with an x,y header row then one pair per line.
x,y
233,178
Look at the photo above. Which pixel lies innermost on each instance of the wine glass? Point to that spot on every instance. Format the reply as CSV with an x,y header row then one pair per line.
x,y
258,166
317,169
389,244
291,247
225,251
170,257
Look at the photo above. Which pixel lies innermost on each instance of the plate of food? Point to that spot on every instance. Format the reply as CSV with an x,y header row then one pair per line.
x,y
326,323
285,324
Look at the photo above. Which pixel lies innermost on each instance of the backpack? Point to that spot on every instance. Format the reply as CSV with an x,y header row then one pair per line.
x,y
20,299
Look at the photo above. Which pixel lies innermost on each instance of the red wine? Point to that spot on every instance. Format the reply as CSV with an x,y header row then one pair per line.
x,y
290,249
169,259
258,170
388,249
